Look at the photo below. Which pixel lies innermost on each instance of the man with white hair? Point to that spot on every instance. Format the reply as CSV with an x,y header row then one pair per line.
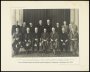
x,y
54,40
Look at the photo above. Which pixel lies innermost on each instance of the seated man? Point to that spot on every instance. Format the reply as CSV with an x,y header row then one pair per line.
x,y
64,40
28,40
73,36
54,40
16,41
23,31
36,40
44,40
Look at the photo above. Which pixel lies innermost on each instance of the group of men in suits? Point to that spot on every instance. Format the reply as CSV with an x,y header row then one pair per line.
x,y
44,38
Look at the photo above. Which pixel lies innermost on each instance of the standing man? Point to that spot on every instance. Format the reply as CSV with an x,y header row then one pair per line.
x,y
65,27
74,26
23,32
58,30
31,28
49,26
54,40
40,28
14,27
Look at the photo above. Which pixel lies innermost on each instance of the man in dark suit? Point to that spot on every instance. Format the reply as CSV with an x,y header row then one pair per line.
x,y
36,40
44,40
64,40
58,30
40,28
28,40
16,41
23,31
31,28
65,26
54,40
49,26
14,27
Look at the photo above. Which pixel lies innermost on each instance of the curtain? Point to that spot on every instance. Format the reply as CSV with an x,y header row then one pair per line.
x,y
55,15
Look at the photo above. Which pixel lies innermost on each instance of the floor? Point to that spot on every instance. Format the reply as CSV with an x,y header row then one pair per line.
x,y
42,54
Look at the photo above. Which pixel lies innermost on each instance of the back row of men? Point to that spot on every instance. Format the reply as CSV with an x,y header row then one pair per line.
x,y
41,27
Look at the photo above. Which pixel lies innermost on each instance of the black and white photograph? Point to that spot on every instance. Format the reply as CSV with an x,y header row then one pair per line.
x,y
44,36
45,33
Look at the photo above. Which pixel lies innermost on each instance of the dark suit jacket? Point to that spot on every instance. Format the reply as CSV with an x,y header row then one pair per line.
x,y
14,27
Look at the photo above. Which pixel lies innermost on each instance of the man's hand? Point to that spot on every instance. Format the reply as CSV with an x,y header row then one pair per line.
x,y
66,40
51,39
27,44
36,39
25,40
16,45
17,38
29,40
45,40
19,42
63,43
40,44
55,39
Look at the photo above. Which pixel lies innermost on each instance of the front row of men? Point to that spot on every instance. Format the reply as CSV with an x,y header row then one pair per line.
x,y
46,42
